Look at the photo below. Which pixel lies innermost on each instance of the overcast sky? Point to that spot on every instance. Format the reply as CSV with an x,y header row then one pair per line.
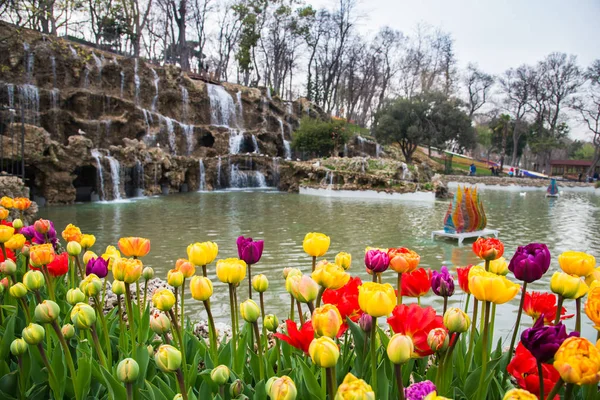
x,y
496,34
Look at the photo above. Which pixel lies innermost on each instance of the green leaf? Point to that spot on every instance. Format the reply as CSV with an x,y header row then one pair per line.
x,y
57,363
9,384
157,394
310,379
383,383
84,377
115,388
143,358
7,337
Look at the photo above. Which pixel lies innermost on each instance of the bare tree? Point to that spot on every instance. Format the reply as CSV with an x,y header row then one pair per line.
x,y
136,17
479,85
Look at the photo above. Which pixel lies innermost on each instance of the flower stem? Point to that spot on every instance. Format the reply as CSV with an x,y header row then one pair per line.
x,y
487,265
374,356
129,388
578,315
484,350
46,362
181,383
311,308
399,297
467,303
398,374
67,352
473,331
558,309
179,336
445,305
249,281
314,263
130,316
182,305
541,376
145,293
300,315
292,308
374,277
79,268
48,282
259,351
331,382
569,391
176,303
100,312
25,310
213,331
233,327
555,389
320,295
98,347
519,313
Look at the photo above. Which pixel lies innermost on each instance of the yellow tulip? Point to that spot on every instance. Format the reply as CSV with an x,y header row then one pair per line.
x,y
4,213
201,288
434,396
174,278
111,254
260,283
344,260
7,202
330,276
202,253
400,348
88,255
134,246
281,388
376,299
41,254
127,270
568,286
230,270
316,244
592,306
353,388
519,394
163,299
16,242
87,241
6,232
487,286
250,311
593,276
72,234
578,361
324,352
498,266
327,321
577,263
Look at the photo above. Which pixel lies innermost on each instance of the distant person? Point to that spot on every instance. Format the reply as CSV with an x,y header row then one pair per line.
x,y
579,177
517,172
492,170
596,176
472,169
511,172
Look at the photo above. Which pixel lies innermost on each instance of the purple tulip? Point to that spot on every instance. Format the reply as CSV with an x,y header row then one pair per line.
x,y
365,322
249,250
97,266
376,260
543,341
442,283
530,262
419,390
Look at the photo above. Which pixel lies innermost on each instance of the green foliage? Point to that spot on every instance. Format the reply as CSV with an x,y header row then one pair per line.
x,y
579,150
321,138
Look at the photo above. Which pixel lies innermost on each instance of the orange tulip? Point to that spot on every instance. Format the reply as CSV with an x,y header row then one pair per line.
x,y
21,203
72,234
488,248
403,260
134,246
42,254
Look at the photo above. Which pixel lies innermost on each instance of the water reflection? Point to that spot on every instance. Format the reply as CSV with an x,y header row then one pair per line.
x,y
282,220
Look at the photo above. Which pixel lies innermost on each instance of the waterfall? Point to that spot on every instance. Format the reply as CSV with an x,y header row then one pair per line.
x,y
86,77
286,143
219,173
222,107
98,62
53,61
10,88
138,179
289,108
188,132
185,100
73,52
155,81
345,149
29,61
136,81
328,180
275,171
55,95
30,101
361,143
246,179
170,132
202,183
122,82
377,150
269,94
255,144
98,157
240,108
236,139
115,173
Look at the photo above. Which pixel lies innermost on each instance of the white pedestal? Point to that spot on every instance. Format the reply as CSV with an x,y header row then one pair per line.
x,y
465,235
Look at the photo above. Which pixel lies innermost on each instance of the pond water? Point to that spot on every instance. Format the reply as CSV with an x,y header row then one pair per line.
x,y
571,222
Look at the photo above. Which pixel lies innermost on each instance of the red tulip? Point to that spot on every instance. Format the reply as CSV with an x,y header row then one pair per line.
x,y
9,254
415,321
537,304
463,277
60,265
346,301
523,368
416,283
300,339
488,248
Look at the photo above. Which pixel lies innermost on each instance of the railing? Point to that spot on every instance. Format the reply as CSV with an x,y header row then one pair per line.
x,y
12,160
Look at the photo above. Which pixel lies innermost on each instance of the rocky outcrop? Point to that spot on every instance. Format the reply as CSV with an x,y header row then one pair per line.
x,y
13,186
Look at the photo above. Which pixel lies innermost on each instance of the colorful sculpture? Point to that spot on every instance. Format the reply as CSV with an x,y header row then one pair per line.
x,y
465,213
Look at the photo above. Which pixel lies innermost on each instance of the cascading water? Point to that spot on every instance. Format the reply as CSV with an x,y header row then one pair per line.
x,y
236,139
188,132
136,81
138,178
345,149
222,107
240,107
289,108
275,171
328,180
361,143
10,88
73,52
122,82
377,150
202,184
53,61
219,184
55,95
29,98
98,157
185,102
255,144
269,94
29,61
155,81
239,179
98,62
286,143
86,77
170,132
115,173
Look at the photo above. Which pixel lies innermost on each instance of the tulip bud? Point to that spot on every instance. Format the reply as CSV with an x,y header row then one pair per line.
x,y
344,260
326,321
9,267
235,389
160,323
178,396
18,347
46,312
186,268
250,311
33,334
118,288
68,331
438,339
456,320
366,323
34,280
282,388
148,273
167,358
41,226
87,256
75,296
163,299
175,278
324,352
83,316
74,249
87,241
91,285
260,283
4,282
271,322
201,288
220,375
128,370
17,223
18,290
400,348
291,272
